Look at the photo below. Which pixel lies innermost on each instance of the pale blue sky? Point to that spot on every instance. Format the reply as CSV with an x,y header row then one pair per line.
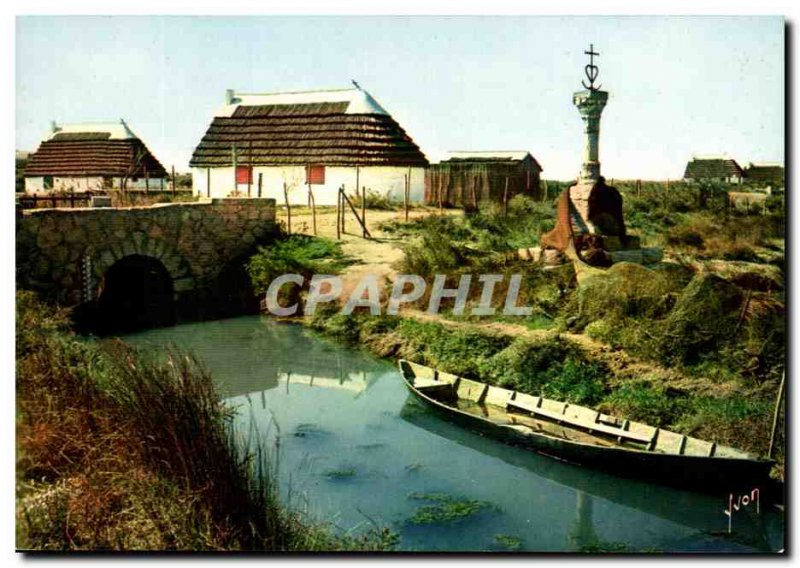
x,y
678,86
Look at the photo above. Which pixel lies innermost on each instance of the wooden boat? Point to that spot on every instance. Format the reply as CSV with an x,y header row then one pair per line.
x,y
587,437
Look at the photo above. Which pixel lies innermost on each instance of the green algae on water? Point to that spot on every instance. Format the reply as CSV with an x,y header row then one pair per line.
x,y
445,508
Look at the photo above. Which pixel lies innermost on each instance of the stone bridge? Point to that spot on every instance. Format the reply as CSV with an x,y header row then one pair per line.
x,y
144,265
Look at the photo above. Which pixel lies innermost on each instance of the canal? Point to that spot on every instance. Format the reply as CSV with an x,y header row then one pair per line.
x,y
356,450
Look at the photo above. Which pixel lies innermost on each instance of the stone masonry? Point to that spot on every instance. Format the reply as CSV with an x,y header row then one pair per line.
x,y
66,252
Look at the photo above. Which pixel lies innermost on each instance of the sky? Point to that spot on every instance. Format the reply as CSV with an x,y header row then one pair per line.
x,y
678,86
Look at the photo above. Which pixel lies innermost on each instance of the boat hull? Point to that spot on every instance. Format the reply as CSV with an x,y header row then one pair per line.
x,y
718,475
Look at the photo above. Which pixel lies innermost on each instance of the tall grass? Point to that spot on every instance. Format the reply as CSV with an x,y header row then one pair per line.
x,y
122,451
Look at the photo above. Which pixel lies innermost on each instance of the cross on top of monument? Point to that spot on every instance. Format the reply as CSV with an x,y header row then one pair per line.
x,y
591,70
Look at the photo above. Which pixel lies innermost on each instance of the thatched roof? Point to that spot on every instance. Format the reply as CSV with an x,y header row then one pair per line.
x,y
490,157
341,128
712,168
93,150
766,172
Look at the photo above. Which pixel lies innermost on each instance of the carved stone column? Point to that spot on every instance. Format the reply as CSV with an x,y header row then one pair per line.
x,y
590,104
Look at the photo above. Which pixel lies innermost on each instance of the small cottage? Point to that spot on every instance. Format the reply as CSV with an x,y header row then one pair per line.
x,y
291,145
713,168
93,157
769,173
466,179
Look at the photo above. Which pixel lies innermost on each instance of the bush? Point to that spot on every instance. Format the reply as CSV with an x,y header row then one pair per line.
x,y
625,290
374,200
643,402
704,315
527,365
739,420
576,382
295,254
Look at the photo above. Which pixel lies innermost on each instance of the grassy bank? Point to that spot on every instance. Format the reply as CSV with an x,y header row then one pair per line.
x,y
695,343
738,414
120,451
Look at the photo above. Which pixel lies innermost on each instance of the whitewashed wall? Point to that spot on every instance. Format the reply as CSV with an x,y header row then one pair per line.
x,y
385,180
94,184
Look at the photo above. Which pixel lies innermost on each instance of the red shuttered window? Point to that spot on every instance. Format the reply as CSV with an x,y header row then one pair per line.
x,y
315,175
244,174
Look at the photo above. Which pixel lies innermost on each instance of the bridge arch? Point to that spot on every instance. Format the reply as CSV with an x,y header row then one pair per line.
x,y
135,292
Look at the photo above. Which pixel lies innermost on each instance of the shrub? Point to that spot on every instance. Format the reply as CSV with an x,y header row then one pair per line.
x,y
527,365
739,420
704,314
298,254
374,200
577,382
643,402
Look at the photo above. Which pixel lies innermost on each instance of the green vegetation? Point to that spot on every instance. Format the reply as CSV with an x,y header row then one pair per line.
x,y
374,200
678,344
444,508
121,451
508,542
294,254
341,473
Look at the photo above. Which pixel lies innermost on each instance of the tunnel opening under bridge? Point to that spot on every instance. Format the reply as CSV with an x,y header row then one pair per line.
x,y
136,292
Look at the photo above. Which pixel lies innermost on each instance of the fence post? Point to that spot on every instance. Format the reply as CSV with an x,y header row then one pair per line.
x,y
173,180
364,210
260,176
775,416
208,182
405,196
288,210
250,167
313,209
505,199
338,214
341,201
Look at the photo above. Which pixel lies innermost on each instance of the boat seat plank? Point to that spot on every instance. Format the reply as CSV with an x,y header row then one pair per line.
x,y
596,427
421,383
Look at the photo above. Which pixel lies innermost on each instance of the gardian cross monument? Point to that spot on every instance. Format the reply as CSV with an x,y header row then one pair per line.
x,y
589,221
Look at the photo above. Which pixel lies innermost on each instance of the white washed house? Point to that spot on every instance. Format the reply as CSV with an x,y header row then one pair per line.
x,y
317,140
92,157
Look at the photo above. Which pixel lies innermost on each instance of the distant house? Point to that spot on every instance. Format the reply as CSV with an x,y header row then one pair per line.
x,y
317,140
713,168
92,157
770,173
466,179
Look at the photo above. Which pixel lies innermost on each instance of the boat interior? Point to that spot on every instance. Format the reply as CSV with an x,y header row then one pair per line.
x,y
532,415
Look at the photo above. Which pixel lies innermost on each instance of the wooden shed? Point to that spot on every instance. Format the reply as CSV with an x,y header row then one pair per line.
x,y
467,179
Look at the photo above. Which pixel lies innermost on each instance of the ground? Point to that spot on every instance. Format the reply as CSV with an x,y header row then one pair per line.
x,y
377,255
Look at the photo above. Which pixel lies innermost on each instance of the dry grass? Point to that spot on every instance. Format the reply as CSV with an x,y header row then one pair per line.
x,y
117,451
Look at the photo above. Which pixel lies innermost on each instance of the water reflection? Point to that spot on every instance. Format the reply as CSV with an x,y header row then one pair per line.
x,y
686,508
354,446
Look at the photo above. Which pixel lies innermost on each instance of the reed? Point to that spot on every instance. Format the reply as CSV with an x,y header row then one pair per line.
x,y
119,450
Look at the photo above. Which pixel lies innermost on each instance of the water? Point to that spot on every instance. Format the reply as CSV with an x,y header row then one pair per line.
x,y
357,449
